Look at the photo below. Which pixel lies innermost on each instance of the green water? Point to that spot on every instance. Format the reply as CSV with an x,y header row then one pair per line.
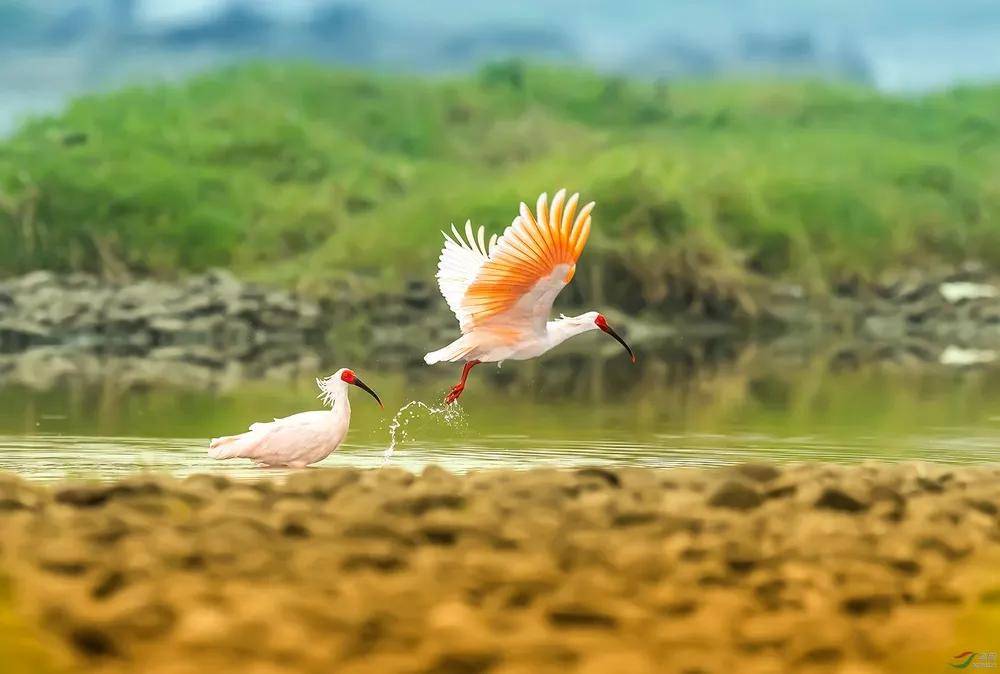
x,y
563,410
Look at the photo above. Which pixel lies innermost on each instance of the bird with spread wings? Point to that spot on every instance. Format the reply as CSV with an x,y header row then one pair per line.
x,y
502,291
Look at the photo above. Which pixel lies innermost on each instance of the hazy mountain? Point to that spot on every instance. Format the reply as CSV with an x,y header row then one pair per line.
x,y
50,49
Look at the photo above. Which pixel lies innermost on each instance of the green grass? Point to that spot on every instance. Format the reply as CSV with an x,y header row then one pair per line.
x,y
297,174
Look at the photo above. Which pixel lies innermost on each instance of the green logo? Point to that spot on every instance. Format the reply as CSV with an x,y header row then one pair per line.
x,y
965,659
975,659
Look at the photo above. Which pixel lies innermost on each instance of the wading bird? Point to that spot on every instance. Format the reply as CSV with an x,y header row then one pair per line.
x,y
301,439
502,293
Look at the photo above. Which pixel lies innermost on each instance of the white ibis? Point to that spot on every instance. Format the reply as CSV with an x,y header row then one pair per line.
x,y
502,293
301,439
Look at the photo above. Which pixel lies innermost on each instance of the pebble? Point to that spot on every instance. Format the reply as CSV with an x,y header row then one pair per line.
x,y
735,495
834,498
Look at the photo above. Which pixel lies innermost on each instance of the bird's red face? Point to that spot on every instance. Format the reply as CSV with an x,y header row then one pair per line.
x,y
349,377
602,323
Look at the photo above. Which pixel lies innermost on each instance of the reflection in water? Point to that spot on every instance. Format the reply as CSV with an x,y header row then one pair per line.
x,y
700,403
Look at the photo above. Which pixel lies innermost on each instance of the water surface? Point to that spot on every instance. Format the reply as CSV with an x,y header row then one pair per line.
x,y
561,411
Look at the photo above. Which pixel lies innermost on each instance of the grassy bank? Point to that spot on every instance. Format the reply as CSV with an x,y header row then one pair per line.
x,y
298,174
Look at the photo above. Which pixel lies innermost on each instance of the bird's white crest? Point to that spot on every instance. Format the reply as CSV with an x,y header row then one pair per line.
x,y
328,391
325,394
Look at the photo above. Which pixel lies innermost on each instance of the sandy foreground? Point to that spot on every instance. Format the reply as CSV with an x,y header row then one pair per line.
x,y
755,568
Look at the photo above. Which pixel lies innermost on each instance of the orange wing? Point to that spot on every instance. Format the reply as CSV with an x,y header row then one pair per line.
x,y
533,260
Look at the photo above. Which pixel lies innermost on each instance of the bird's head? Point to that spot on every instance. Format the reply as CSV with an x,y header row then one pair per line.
x,y
601,323
337,383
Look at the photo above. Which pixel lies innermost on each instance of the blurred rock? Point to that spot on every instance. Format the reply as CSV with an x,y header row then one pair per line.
x,y
959,307
736,495
215,310
834,498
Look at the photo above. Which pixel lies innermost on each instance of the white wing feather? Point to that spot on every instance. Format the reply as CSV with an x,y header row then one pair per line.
x,y
460,261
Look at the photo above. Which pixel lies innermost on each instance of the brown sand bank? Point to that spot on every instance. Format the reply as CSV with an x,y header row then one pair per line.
x,y
805,568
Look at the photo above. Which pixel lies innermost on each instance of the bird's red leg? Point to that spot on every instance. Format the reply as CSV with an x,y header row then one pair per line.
x,y
457,389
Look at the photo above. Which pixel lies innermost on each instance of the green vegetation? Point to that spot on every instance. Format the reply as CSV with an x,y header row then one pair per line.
x,y
298,174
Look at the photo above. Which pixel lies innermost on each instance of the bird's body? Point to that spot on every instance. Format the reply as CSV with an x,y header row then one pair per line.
x,y
495,346
298,440
502,293
295,441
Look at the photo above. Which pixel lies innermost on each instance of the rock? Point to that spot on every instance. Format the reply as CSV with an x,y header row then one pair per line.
x,y
908,567
581,616
83,496
602,474
821,655
26,329
168,325
223,281
885,327
377,561
868,603
93,641
758,472
906,286
983,505
272,319
80,281
736,495
309,313
146,621
949,550
958,291
960,357
194,304
834,498
281,302
462,661
33,281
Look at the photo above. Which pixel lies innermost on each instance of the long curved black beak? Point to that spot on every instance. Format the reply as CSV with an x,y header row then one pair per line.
x,y
360,384
607,328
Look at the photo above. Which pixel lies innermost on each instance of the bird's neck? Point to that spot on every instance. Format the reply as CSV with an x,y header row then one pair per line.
x,y
561,329
336,397
341,405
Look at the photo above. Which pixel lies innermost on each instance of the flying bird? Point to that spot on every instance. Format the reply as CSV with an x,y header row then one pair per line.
x,y
301,439
502,292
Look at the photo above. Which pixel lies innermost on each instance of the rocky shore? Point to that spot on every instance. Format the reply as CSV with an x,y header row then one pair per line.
x,y
753,568
217,318
214,313
956,306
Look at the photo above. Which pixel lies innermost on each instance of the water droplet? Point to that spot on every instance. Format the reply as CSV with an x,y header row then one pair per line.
x,y
451,415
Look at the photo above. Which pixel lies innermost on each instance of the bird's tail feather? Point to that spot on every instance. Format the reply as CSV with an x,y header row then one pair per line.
x,y
231,446
457,350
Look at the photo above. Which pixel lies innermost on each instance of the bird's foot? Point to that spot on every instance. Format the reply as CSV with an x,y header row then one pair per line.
x,y
454,393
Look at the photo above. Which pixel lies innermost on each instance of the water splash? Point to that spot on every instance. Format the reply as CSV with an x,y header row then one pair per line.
x,y
451,415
